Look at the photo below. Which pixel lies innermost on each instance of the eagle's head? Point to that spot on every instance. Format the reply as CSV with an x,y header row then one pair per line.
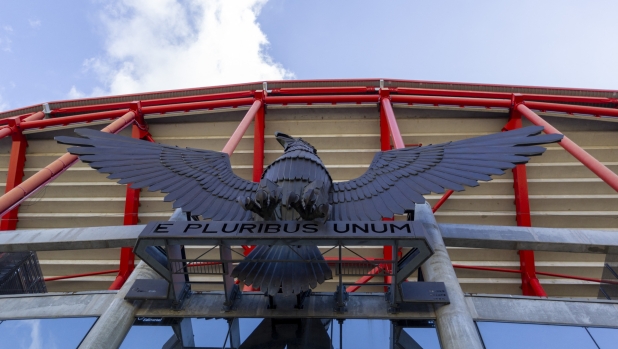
x,y
290,143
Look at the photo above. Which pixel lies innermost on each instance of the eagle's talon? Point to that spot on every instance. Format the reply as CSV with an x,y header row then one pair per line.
x,y
293,200
265,201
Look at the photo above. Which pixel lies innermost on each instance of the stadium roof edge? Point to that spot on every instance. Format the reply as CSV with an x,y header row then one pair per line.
x,y
391,83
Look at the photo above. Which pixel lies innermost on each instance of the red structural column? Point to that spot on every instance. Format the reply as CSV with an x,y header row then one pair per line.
x,y
607,175
131,208
258,155
14,197
387,120
258,139
15,173
530,285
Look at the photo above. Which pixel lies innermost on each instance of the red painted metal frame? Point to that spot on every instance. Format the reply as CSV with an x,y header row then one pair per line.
x,y
321,99
14,123
206,102
131,211
566,276
365,279
15,196
530,285
73,119
17,162
258,155
388,130
322,90
258,148
14,177
580,154
73,276
154,102
386,112
234,140
225,103
459,101
572,109
258,141
346,94
442,200
501,95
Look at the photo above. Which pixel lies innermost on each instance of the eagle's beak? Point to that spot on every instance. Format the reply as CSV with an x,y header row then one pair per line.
x,y
283,139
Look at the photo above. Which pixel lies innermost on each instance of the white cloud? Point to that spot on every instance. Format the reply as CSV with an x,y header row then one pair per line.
x,y
74,93
171,44
8,28
34,23
35,334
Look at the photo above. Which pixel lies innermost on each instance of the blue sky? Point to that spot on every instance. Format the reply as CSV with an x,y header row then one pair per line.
x,y
70,49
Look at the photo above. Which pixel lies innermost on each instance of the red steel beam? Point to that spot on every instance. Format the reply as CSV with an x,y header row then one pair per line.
x,y
530,285
460,101
73,276
14,177
234,140
388,130
386,109
442,200
29,123
353,259
131,211
225,103
15,196
66,120
21,117
410,99
323,90
258,143
573,109
364,279
16,164
154,102
504,270
321,99
256,112
8,130
580,154
503,103
258,156
502,95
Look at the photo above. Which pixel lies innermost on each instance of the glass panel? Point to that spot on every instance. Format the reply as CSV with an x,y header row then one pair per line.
x,y
362,334
44,333
155,332
247,326
606,338
497,335
210,333
147,337
426,338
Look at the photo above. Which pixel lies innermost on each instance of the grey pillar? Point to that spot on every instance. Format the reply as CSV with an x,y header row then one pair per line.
x,y
455,325
111,328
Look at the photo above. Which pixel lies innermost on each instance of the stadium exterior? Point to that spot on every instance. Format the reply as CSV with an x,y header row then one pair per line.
x,y
527,258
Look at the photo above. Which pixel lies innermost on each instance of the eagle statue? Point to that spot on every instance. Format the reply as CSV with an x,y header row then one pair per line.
x,y
297,186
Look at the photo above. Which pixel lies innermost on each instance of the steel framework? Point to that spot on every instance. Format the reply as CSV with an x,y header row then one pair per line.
x,y
521,101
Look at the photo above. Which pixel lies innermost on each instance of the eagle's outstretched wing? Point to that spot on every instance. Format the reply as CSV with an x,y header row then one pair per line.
x,y
397,179
198,181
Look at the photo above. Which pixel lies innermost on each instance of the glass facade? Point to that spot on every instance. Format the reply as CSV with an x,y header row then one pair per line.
x,y
44,333
266,333
504,335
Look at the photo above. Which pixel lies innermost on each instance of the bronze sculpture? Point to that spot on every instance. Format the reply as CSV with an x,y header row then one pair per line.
x,y
297,186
